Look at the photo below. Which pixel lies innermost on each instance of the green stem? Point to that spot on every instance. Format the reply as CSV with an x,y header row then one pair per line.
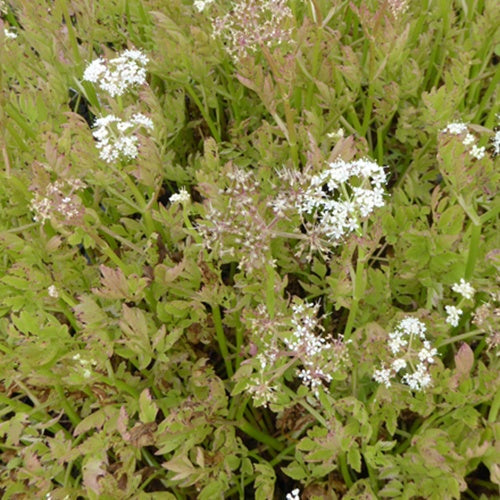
x,y
239,341
495,406
148,220
211,125
319,418
260,436
463,336
344,470
473,250
357,293
67,406
221,339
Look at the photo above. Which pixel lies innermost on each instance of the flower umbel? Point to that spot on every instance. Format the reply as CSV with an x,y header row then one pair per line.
x,y
181,197
412,355
58,201
297,340
118,75
117,139
453,315
345,192
464,288
252,24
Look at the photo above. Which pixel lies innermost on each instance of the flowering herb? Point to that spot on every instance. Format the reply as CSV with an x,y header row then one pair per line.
x,y
117,139
252,24
411,354
119,74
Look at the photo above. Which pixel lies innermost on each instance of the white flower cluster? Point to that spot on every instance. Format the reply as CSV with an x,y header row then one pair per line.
x,y
496,143
320,357
181,197
116,138
10,33
453,313
459,128
252,24
342,194
293,495
295,336
464,288
201,5
409,333
117,75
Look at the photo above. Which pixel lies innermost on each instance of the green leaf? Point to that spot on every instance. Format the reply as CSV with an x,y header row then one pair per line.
x,y
264,482
354,458
147,407
295,471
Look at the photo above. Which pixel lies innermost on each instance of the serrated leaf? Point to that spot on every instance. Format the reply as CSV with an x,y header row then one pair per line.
x,y
93,421
147,407
295,471
354,458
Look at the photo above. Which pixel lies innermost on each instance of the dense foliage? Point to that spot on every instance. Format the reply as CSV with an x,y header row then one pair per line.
x,y
250,249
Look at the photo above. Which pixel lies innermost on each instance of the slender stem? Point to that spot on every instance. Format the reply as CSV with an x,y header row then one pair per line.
x,y
463,336
260,436
357,293
239,341
211,125
344,469
68,408
473,250
495,406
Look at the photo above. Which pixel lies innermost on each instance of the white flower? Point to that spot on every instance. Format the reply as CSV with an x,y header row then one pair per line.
x,y
181,197
427,353
464,288
52,290
117,75
10,33
419,379
455,128
454,314
115,141
496,143
408,332
478,152
468,140
95,70
398,364
334,204
336,135
397,342
201,5
383,376
293,495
